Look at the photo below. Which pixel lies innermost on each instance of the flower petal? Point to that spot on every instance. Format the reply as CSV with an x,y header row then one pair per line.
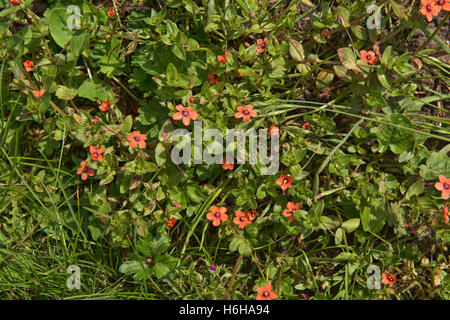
x,y
177,116
193,115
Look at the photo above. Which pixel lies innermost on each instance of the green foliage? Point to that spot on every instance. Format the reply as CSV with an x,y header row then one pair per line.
x,y
86,138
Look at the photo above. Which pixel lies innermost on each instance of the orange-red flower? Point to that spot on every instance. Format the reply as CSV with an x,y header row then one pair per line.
x,y
388,278
96,153
251,215
429,9
111,13
137,139
241,219
273,130
213,78
29,65
444,4
444,186
217,215
284,182
368,57
325,32
245,113
445,212
222,59
38,93
85,170
14,2
171,222
306,126
266,293
105,106
289,212
227,164
94,121
262,45
136,109
185,113
239,74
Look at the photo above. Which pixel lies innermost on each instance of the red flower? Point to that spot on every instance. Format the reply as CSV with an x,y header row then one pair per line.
x,y
262,45
191,99
29,65
38,93
266,293
213,78
137,139
429,9
222,59
94,121
444,186
245,112
96,153
240,75
171,222
289,212
111,13
186,114
306,126
446,5
85,170
136,109
284,182
443,4
388,278
241,219
368,57
251,215
445,212
273,130
217,215
14,2
105,106
325,32
227,164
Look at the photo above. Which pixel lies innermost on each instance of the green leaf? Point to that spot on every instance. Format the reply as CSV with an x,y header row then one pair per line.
x,y
65,93
95,90
15,45
164,265
347,58
351,225
397,139
127,124
57,24
131,267
386,59
416,189
178,50
438,163
346,256
296,50
160,154
245,247
372,219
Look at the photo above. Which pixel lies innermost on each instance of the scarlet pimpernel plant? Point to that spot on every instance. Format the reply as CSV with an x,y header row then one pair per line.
x,y
239,150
